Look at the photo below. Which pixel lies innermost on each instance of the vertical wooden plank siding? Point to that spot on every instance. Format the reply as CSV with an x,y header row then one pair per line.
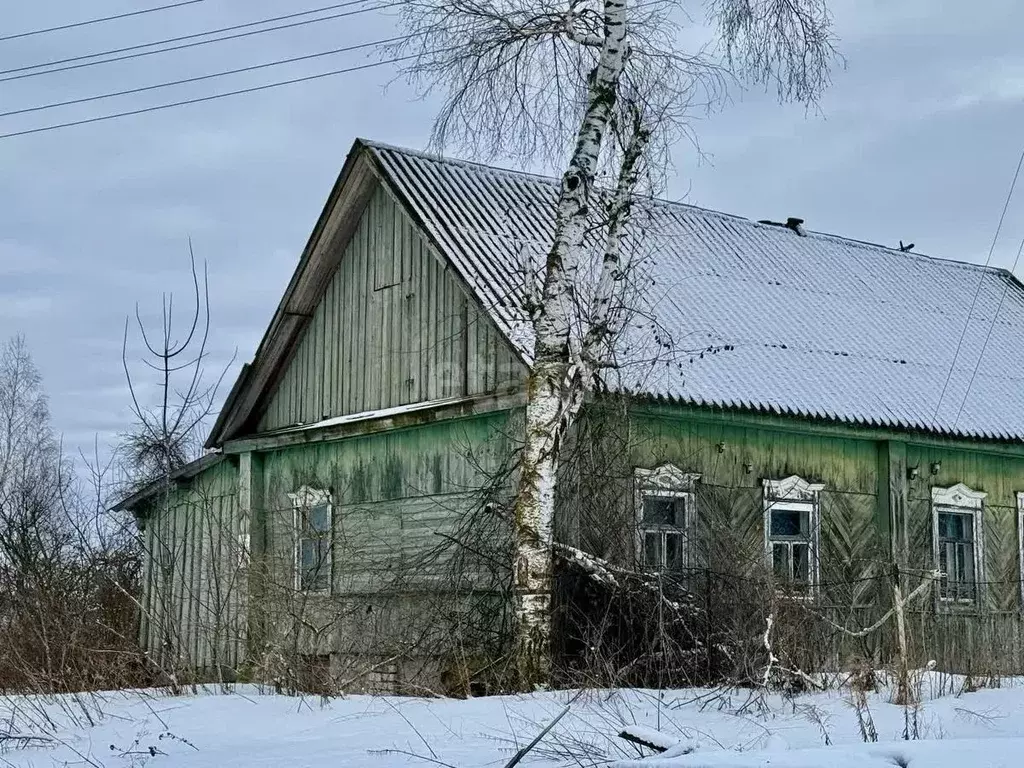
x,y
394,327
892,498
191,605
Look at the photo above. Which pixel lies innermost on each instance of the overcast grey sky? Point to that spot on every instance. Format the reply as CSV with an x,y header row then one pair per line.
x,y
916,140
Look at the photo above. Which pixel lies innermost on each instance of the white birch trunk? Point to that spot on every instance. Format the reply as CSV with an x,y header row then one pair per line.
x,y
607,316
550,394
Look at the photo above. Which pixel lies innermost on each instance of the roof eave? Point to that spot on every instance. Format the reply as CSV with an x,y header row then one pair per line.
x,y
273,352
186,472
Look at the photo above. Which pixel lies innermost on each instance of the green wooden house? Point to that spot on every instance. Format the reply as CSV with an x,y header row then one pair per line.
x,y
845,407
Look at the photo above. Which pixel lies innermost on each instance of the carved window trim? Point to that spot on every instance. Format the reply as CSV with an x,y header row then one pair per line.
x,y
304,500
794,494
960,499
666,481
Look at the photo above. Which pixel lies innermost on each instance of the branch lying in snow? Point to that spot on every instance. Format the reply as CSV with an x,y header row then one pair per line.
x,y
652,739
606,573
23,740
525,750
773,660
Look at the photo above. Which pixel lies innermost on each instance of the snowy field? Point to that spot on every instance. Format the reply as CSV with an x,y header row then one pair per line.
x,y
983,729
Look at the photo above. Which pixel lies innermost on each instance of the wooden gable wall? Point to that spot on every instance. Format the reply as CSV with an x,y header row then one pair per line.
x,y
193,612
394,327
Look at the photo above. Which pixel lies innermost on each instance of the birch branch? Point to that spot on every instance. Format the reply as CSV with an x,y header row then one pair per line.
x,y
604,325
928,579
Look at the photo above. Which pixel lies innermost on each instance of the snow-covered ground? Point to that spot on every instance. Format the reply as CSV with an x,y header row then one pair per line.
x,y
246,728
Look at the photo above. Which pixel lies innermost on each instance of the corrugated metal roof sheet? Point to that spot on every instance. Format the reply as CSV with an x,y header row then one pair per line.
x,y
816,326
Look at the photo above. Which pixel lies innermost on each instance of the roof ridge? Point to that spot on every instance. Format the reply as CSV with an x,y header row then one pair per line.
x,y
677,204
457,161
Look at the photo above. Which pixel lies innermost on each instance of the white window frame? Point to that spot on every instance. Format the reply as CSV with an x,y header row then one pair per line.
x,y
796,494
244,543
962,500
666,481
307,498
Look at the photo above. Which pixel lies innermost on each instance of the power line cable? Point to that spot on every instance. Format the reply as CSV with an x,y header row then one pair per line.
x,y
981,281
200,78
991,327
102,20
19,73
203,99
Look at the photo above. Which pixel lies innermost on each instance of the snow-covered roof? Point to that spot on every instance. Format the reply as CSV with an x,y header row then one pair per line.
x,y
815,326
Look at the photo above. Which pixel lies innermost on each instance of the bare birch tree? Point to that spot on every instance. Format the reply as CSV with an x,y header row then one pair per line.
x,y
601,89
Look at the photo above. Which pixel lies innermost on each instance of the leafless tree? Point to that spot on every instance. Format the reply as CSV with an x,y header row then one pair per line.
x,y
33,472
601,89
63,614
167,432
169,413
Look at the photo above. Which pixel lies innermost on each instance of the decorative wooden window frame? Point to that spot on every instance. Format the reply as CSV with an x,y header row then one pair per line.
x,y
666,481
963,500
303,499
796,494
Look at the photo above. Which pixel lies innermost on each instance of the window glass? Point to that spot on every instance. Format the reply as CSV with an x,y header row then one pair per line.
x,y
663,531
659,510
786,522
956,555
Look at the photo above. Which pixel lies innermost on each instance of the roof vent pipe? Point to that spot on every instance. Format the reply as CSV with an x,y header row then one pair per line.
x,y
796,225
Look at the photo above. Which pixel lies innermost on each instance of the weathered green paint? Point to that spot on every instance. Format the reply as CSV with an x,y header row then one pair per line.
x,y
391,492
872,512
825,428
891,511
734,460
1001,479
394,327
398,492
193,613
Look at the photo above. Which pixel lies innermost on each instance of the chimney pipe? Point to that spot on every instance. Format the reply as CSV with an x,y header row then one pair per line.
x,y
796,225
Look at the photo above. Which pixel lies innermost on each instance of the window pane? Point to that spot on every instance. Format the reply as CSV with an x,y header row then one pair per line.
x,y
314,564
968,566
659,511
307,554
780,561
680,509
321,579
307,562
785,522
324,560
801,563
957,527
652,549
320,518
674,551
956,561
960,566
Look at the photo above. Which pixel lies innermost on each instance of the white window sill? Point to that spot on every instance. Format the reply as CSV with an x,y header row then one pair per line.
x,y
809,597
